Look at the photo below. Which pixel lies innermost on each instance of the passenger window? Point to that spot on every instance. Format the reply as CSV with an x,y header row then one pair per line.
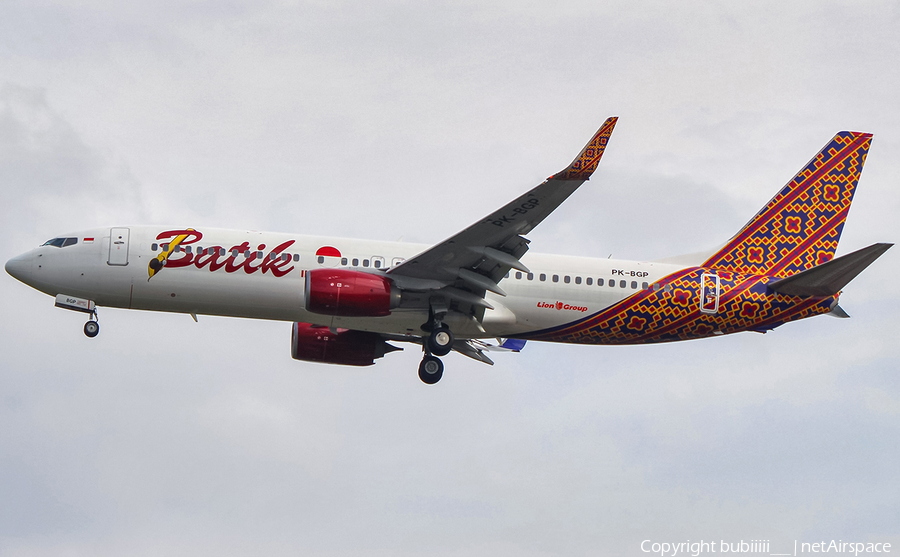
x,y
668,288
272,256
221,252
567,279
355,262
259,255
530,276
365,262
518,275
396,261
165,247
589,281
645,286
187,249
321,259
296,257
600,282
177,249
543,277
286,257
634,285
577,280
153,247
343,260
623,284
377,261
555,278
612,283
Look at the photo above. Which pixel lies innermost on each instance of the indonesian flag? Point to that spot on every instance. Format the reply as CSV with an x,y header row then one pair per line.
x,y
88,240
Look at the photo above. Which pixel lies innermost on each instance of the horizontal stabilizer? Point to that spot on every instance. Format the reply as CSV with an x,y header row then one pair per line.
x,y
829,278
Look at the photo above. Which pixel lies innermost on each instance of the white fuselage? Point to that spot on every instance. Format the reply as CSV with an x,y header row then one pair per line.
x,y
223,281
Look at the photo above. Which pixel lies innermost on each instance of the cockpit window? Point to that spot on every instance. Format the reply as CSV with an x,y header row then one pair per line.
x,y
61,242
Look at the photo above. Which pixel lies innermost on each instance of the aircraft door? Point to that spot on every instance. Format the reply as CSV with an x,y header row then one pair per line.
x,y
709,293
118,246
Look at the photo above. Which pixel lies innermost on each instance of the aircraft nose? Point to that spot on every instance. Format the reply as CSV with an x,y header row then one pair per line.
x,y
19,267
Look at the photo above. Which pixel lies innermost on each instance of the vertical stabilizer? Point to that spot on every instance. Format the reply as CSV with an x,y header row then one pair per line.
x,y
800,227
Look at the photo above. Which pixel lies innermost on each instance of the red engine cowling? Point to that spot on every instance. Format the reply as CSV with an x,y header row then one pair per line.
x,y
345,347
349,293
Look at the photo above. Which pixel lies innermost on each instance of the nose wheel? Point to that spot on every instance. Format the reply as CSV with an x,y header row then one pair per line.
x,y
431,369
92,327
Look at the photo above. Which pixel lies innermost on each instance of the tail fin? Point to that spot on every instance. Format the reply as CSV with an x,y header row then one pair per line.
x,y
800,227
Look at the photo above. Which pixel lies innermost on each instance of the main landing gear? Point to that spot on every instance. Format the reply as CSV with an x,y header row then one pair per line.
x,y
92,327
431,369
438,343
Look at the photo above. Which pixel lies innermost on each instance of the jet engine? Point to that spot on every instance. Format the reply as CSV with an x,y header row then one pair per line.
x,y
349,293
345,347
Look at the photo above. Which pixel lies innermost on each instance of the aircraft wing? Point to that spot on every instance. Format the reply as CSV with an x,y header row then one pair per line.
x,y
475,259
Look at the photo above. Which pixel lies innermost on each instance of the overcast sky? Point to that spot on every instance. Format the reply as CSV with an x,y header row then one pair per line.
x,y
411,120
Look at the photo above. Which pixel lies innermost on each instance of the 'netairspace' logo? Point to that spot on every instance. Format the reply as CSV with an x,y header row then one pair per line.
x,y
674,549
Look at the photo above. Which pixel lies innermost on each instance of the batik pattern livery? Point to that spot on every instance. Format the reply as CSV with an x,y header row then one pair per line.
x,y
800,227
673,312
586,163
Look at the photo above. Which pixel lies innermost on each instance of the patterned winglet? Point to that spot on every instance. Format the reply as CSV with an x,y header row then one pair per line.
x,y
800,227
586,163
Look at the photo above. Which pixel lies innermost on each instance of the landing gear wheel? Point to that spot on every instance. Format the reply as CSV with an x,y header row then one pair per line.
x,y
440,341
430,370
92,329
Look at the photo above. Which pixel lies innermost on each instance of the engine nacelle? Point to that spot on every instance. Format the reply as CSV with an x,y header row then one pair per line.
x,y
349,293
345,347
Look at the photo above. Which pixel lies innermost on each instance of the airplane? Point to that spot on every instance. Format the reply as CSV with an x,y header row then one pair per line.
x,y
349,299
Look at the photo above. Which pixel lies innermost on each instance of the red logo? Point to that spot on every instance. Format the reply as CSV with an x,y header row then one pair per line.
x,y
328,251
561,306
215,257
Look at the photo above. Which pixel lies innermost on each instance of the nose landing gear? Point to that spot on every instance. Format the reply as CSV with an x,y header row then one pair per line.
x,y
92,327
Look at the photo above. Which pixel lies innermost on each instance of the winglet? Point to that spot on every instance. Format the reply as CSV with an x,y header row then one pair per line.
x,y
586,163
